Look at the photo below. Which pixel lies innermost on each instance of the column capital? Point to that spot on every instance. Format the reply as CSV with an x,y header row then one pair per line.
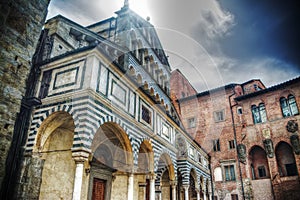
x,y
185,187
152,176
173,183
130,174
80,156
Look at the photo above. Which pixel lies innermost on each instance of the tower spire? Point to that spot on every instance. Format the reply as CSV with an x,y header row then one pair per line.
x,y
126,3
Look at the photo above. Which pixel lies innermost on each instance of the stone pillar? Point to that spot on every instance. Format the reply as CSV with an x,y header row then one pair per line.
x,y
152,187
79,157
204,189
186,192
210,196
204,196
78,180
130,187
198,194
173,186
157,192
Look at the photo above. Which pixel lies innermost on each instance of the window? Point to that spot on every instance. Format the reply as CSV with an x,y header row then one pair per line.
x,y
191,122
229,173
262,171
259,113
182,94
231,144
256,87
146,115
234,197
216,145
288,106
239,110
219,116
199,158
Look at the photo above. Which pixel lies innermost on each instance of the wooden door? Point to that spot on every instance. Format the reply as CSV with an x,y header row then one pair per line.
x,y
98,189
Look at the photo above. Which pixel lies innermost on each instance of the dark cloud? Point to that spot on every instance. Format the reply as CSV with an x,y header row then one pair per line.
x,y
264,28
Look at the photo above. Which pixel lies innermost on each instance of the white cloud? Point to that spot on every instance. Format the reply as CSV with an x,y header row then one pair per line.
x,y
216,23
84,12
270,70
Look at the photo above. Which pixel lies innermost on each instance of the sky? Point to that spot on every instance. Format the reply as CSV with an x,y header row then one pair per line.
x,y
212,42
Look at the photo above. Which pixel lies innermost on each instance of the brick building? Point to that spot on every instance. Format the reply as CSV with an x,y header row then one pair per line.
x,y
251,135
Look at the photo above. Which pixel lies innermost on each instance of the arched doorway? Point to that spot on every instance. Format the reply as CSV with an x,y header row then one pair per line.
x,y
54,142
110,163
258,163
285,160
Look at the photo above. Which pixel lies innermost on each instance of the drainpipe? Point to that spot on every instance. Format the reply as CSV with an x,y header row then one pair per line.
x,y
234,132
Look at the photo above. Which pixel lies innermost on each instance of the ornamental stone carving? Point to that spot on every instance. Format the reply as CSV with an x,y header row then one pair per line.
x,y
292,126
242,152
181,146
268,144
295,143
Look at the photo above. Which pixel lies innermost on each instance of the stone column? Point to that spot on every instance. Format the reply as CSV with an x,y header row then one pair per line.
x,y
79,157
198,194
157,192
78,180
204,196
152,187
130,187
204,189
173,186
186,192
210,196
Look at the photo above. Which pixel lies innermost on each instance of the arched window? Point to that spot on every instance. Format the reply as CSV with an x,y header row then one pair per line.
x,y
288,106
259,113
